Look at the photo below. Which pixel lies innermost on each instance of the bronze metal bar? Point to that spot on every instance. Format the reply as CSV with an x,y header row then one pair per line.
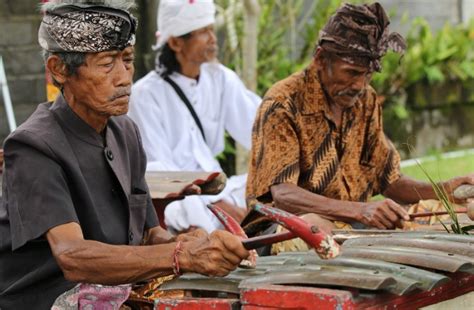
x,y
420,243
415,257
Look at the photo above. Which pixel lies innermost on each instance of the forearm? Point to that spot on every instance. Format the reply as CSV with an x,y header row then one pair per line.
x,y
95,262
407,190
294,199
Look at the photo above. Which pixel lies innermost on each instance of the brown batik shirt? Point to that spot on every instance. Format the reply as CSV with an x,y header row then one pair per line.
x,y
295,141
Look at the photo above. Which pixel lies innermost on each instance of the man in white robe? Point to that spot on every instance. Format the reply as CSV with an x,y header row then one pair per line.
x,y
173,139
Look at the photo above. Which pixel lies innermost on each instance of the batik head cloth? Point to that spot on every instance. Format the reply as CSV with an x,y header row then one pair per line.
x,y
86,28
359,34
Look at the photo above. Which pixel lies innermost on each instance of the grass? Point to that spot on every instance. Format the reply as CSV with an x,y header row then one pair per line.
x,y
441,168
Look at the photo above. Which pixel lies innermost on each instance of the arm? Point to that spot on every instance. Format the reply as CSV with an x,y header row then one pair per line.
x,y
381,214
408,190
95,262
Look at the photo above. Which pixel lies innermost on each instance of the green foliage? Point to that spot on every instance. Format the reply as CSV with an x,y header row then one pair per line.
x,y
432,58
288,33
448,206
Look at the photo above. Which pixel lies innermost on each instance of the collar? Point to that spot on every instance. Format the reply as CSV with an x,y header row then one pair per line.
x,y
314,99
72,122
183,81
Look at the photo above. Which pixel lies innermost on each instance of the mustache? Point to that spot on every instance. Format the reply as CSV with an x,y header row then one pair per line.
x,y
125,91
350,93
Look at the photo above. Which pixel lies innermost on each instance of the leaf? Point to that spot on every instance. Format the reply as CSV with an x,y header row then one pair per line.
x,y
467,228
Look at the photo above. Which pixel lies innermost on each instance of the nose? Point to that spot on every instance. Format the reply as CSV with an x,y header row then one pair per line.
x,y
361,81
212,36
124,73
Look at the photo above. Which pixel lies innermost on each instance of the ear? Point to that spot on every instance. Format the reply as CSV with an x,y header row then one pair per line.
x,y
318,55
57,68
176,44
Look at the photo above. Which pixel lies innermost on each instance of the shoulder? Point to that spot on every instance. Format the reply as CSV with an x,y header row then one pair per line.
x,y
39,131
40,123
283,94
149,84
219,72
287,88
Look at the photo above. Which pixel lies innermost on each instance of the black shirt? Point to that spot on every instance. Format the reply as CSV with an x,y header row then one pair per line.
x,y
58,170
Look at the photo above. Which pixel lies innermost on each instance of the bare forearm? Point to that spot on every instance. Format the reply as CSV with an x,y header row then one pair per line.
x,y
296,200
407,190
95,262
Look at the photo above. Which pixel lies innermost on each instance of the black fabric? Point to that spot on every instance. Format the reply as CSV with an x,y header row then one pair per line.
x,y
187,103
59,170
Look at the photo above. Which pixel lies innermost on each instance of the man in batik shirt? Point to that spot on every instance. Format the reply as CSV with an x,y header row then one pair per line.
x,y
318,144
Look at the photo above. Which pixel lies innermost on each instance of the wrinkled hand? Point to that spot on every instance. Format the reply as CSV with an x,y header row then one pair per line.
x,y
450,185
192,235
215,255
384,214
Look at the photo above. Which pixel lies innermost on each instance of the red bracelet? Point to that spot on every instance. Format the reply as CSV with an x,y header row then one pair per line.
x,y
177,250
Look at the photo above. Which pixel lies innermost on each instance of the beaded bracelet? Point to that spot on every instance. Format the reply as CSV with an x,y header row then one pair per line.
x,y
177,250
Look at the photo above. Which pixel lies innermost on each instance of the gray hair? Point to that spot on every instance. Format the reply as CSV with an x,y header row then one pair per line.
x,y
72,61
115,4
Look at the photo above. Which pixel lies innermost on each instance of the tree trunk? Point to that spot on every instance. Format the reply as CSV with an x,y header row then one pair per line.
x,y
249,61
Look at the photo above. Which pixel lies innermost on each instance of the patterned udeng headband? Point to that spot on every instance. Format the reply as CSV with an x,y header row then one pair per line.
x,y
359,34
86,29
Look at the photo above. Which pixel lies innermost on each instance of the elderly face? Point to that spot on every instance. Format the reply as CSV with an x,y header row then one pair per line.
x,y
200,47
344,82
102,85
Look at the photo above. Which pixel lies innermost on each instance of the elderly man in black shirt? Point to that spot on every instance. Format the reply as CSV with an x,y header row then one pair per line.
x,y
76,206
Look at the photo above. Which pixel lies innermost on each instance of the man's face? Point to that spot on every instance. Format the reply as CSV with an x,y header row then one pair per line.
x,y
201,46
102,85
344,82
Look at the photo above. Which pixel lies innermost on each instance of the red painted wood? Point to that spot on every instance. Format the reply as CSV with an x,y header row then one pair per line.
x,y
461,283
302,298
290,297
197,304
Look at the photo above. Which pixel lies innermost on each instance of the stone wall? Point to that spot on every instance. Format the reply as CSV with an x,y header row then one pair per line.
x,y
19,20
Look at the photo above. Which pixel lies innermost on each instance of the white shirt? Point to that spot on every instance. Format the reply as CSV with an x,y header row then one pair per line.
x,y
173,141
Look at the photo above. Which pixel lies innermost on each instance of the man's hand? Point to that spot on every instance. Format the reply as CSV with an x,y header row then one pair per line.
x,y
215,255
236,212
450,185
384,214
192,235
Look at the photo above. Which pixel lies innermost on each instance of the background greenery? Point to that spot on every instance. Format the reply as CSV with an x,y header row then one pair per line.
x,y
441,168
437,69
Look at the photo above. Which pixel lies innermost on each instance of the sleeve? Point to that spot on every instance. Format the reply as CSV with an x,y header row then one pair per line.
x,y
240,108
275,151
145,111
382,152
37,194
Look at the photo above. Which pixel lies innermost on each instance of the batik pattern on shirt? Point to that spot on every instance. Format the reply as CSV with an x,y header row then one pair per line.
x,y
295,141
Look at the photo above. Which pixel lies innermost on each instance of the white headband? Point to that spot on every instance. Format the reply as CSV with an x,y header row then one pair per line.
x,y
178,17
